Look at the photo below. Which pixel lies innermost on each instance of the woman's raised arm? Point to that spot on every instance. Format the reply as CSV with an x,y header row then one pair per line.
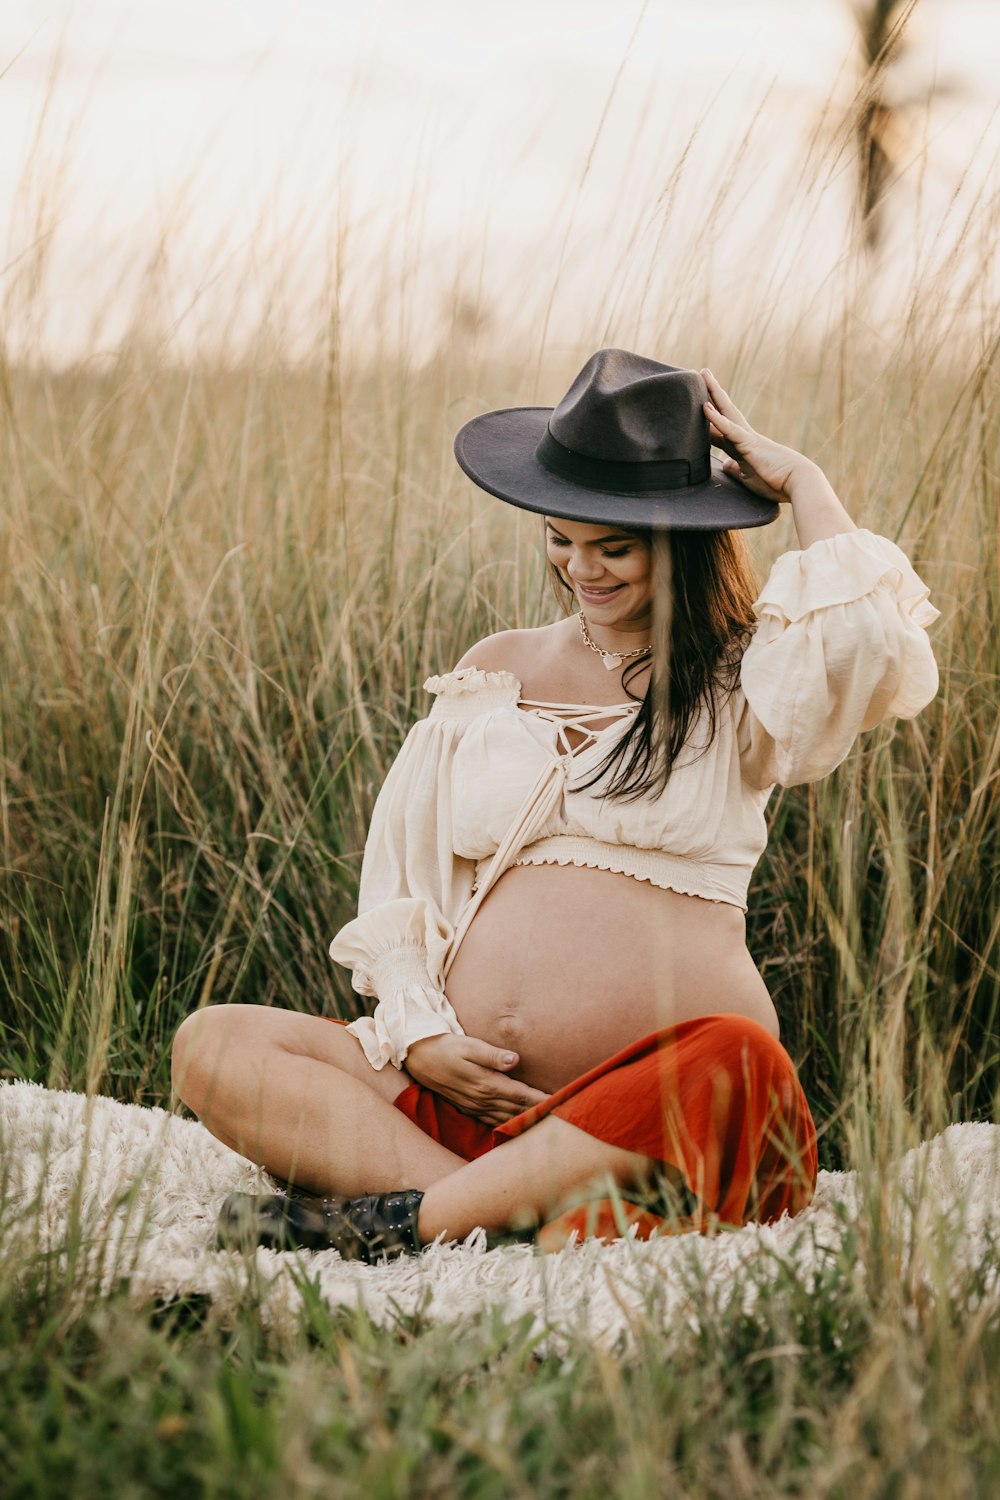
x,y
774,471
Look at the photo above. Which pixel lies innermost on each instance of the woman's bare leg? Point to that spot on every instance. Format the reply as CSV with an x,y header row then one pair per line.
x,y
527,1180
297,1095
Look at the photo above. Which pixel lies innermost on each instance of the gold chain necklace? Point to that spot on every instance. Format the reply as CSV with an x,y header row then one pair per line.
x,y
610,660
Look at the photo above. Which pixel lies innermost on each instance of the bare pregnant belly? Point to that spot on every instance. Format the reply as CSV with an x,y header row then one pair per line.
x,y
567,965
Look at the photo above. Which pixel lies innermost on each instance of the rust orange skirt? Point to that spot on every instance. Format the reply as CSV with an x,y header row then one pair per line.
x,y
717,1100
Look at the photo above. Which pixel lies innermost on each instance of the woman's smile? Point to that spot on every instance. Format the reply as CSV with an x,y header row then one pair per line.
x,y
596,595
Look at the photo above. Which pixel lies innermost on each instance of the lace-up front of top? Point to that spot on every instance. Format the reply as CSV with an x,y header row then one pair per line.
x,y
490,779
594,727
592,722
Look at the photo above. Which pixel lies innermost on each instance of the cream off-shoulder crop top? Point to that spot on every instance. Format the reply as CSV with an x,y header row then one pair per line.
x,y
487,780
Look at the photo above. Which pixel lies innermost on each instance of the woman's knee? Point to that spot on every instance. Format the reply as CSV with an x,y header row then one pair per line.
x,y
747,1070
746,1039
222,1043
756,1081
198,1051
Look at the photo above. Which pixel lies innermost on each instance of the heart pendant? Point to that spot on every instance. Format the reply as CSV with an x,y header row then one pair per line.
x,y
611,661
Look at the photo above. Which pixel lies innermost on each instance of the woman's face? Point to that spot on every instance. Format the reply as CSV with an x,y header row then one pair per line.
x,y
610,571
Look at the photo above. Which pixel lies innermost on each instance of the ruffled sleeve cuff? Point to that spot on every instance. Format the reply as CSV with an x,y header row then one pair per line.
x,y
404,973
838,570
840,645
409,1009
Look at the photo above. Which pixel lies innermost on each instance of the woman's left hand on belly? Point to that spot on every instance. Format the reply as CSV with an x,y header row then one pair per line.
x,y
472,1075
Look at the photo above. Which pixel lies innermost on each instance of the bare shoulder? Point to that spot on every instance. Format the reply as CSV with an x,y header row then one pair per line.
x,y
513,651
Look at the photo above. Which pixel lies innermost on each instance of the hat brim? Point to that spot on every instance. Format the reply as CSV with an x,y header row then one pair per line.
x,y
497,451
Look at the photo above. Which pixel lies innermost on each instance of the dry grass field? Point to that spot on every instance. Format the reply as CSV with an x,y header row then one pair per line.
x,y
221,586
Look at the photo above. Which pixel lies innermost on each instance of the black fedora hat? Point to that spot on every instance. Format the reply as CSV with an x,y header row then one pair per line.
x,y
627,445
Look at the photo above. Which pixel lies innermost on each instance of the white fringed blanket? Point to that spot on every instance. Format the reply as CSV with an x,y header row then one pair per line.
x,y
138,1189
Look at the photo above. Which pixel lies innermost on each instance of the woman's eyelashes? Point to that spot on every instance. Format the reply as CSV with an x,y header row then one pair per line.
x,y
558,541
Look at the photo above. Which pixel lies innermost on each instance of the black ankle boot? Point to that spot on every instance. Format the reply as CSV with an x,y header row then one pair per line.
x,y
360,1228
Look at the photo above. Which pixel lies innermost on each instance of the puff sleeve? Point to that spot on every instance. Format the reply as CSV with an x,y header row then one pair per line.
x,y
839,646
412,888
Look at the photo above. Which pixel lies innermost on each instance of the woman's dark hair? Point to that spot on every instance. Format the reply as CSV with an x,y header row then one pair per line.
x,y
702,623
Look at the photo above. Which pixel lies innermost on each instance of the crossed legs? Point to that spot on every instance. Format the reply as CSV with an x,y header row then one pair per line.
x,y
298,1096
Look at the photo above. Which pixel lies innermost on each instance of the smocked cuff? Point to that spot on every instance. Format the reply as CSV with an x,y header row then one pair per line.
x,y
839,569
399,968
409,1008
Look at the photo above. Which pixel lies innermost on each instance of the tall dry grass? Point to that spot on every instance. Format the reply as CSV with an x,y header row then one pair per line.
x,y
222,582
222,592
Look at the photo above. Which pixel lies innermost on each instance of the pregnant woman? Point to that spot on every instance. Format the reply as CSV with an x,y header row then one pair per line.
x,y
552,906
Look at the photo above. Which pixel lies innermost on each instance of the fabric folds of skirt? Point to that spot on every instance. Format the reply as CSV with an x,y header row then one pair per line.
x,y
716,1101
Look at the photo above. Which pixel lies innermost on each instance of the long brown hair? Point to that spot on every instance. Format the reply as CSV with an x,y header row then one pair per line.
x,y
702,623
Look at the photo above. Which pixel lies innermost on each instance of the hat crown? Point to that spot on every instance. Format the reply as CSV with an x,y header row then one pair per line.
x,y
624,408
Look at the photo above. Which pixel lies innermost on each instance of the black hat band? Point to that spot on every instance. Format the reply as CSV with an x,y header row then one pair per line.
x,y
619,477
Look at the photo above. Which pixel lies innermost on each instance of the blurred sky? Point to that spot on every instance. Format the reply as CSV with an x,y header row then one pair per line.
x,y
448,149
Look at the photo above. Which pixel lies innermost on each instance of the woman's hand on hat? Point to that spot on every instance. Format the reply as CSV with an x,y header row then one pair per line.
x,y
767,468
472,1075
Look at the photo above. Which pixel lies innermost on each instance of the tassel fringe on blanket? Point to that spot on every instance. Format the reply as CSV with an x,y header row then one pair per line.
x,y
124,1194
